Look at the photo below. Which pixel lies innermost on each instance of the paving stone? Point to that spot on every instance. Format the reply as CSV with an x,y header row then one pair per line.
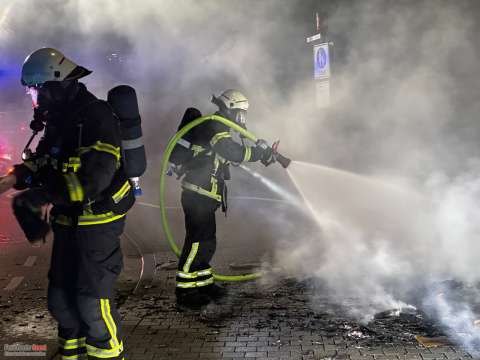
x,y
255,354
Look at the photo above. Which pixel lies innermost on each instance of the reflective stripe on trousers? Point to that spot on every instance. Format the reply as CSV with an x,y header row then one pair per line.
x,y
187,279
194,268
72,348
101,330
85,263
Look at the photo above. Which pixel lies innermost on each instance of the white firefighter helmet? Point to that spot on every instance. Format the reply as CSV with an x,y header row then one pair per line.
x,y
48,64
233,104
232,100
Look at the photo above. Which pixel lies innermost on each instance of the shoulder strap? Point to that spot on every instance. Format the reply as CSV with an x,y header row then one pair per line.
x,y
78,113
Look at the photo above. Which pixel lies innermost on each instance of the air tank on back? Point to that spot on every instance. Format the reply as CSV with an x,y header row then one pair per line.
x,y
123,100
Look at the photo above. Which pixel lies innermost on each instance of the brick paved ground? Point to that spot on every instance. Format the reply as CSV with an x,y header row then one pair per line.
x,y
273,322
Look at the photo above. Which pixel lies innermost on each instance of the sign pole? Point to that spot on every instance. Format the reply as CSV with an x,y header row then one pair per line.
x,y
322,56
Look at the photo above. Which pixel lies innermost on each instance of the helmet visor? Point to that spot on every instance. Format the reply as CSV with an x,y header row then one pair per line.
x,y
241,117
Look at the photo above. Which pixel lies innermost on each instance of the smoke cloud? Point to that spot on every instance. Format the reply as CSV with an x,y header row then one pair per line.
x,y
403,117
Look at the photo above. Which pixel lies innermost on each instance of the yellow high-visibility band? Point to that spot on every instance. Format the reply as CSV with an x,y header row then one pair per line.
x,y
185,275
194,275
74,163
191,257
216,164
120,194
72,347
99,219
201,191
71,344
214,185
194,284
110,323
248,153
219,136
89,219
104,353
205,282
63,341
186,285
75,189
197,149
104,147
205,272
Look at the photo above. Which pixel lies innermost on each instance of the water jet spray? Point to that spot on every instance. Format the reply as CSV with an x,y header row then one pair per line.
x,y
289,197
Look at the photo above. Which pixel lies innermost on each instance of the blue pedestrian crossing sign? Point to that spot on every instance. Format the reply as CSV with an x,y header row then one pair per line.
x,y
321,58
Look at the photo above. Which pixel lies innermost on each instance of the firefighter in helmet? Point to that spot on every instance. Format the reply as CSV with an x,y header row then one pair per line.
x,y
204,174
76,167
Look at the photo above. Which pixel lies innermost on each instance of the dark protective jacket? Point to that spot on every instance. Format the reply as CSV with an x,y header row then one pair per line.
x,y
213,150
78,163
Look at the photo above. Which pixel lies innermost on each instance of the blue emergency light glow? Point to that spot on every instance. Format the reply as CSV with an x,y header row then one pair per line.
x,y
9,72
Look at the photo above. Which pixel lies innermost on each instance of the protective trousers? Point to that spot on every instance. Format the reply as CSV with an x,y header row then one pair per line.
x,y
86,261
194,269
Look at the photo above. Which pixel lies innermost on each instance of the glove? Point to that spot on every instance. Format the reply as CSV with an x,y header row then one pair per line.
x,y
266,152
27,207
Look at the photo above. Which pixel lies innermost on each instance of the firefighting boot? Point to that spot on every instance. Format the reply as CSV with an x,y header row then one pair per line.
x,y
214,291
191,298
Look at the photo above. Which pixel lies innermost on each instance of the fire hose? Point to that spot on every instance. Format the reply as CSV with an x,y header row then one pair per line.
x,y
163,173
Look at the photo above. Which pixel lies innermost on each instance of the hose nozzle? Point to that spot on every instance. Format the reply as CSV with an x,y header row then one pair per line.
x,y
282,160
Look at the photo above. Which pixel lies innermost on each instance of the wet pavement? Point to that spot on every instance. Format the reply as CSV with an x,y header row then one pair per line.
x,y
256,320
275,321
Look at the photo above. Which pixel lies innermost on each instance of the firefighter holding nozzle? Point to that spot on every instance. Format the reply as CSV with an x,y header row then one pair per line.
x,y
202,157
77,167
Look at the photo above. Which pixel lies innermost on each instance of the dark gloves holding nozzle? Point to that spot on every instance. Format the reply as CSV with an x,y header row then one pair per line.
x,y
27,207
267,157
270,154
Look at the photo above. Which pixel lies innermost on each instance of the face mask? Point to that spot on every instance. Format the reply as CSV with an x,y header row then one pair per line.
x,y
240,117
33,92
50,94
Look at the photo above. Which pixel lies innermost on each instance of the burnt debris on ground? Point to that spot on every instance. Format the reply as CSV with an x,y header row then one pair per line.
x,y
287,304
